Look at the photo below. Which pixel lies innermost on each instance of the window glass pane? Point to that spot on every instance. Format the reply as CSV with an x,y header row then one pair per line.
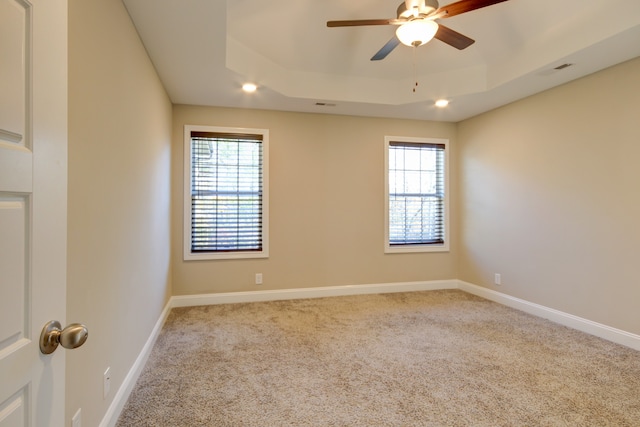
x,y
428,183
411,159
412,182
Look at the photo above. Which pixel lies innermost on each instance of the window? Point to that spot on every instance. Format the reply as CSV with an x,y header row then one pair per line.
x,y
416,203
226,197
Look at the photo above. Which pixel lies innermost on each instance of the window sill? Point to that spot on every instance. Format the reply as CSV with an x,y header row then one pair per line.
x,y
416,249
188,256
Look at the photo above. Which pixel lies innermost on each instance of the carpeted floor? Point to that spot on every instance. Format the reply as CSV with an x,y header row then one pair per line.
x,y
436,358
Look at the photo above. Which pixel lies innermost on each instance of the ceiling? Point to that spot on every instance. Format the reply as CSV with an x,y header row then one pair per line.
x,y
204,50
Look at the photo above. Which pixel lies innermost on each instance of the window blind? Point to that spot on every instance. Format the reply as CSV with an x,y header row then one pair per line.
x,y
226,192
416,193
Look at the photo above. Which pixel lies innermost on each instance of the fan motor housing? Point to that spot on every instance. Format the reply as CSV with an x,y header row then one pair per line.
x,y
425,7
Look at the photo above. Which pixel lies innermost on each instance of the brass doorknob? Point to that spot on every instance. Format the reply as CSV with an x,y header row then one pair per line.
x,y
73,336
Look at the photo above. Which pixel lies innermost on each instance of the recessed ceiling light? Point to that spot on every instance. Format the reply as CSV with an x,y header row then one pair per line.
x,y
441,103
249,87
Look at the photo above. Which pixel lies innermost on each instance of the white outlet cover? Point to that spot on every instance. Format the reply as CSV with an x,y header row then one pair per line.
x,y
106,383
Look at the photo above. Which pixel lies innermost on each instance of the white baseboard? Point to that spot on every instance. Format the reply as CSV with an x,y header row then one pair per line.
x,y
122,395
617,336
329,291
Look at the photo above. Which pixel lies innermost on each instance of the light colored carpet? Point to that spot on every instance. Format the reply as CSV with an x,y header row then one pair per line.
x,y
437,358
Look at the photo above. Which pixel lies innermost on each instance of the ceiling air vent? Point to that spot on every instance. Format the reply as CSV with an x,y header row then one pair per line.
x,y
554,70
325,104
562,67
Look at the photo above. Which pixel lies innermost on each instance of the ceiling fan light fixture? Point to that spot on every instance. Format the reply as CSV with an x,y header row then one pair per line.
x,y
417,32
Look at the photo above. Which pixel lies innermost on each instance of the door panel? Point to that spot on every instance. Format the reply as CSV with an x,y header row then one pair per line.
x,y
15,20
13,264
14,411
33,132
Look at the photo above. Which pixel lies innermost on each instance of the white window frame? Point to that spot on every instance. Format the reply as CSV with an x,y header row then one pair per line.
x,y
264,253
443,247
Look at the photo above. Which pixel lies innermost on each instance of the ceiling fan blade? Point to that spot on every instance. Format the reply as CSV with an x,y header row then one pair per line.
x,y
386,49
464,6
360,22
453,38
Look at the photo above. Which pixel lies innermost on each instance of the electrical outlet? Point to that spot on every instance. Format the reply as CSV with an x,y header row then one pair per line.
x,y
258,278
76,421
106,383
497,279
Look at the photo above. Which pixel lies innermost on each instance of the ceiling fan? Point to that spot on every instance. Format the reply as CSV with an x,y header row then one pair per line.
x,y
417,24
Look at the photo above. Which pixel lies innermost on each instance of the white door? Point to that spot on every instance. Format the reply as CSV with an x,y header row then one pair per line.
x,y
33,200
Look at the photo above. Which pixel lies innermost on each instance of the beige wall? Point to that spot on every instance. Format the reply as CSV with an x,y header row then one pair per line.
x,y
326,204
549,191
118,206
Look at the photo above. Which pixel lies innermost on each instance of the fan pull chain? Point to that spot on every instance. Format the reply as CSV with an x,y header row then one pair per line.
x,y
415,74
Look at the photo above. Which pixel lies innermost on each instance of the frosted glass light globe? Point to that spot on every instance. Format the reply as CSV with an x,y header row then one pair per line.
x,y
417,32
